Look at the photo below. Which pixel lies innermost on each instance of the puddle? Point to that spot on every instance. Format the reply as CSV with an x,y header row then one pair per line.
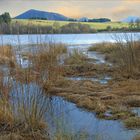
x,y
68,117
136,110
24,63
99,58
103,80
65,117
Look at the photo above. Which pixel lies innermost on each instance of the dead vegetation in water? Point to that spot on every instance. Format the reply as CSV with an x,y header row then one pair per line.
x,y
117,97
76,58
21,111
133,122
7,56
137,137
46,61
125,55
22,118
87,69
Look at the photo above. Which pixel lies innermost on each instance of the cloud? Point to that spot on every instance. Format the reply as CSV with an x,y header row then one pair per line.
x,y
114,9
123,11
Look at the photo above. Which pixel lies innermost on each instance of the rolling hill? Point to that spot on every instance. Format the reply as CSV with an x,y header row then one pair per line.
x,y
36,14
131,18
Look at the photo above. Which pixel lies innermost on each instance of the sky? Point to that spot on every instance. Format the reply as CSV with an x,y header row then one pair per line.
x,y
113,9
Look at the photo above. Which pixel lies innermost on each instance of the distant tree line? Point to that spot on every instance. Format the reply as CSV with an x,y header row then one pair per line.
x,y
100,20
5,18
18,28
92,20
134,25
56,28
38,18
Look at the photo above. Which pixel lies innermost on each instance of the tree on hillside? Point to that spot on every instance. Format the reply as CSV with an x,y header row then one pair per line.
x,y
5,18
131,24
1,19
137,23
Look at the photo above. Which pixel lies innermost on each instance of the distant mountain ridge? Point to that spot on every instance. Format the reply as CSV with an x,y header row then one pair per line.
x,y
131,18
37,14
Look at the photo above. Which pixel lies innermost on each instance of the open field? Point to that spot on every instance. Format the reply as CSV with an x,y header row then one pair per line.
x,y
96,26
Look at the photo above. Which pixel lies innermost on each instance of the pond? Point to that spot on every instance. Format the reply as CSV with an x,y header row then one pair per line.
x,y
71,39
66,118
71,119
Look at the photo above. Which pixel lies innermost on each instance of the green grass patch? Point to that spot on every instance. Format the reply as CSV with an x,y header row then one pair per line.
x,y
95,25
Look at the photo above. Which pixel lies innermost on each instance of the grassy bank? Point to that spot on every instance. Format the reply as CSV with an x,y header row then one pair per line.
x,y
97,26
62,27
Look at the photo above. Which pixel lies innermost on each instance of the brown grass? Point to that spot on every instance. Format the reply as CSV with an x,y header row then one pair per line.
x,y
21,113
124,55
133,122
7,55
76,58
47,60
137,137
119,97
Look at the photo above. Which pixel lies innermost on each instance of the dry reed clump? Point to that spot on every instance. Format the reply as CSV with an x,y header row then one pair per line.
x,y
22,112
25,124
75,58
7,56
64,135
87,70
137,137
133,101
47,61
122,54
132,122
6,116
25,75
116,97
104,47
49,54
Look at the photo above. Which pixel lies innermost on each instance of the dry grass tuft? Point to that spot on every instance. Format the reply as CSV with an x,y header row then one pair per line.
x,y
75,58
123,54
7,56
133,122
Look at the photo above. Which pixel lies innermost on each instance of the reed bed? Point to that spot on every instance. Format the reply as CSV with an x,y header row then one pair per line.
x,y
124,53
23,111
7,55
23,105
75,57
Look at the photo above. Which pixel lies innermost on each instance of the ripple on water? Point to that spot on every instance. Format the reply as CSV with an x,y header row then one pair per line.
x,y
103,80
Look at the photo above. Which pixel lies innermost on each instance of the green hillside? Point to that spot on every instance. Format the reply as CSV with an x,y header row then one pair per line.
x,y
94,25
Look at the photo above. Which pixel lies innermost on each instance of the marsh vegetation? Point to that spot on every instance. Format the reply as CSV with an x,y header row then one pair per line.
x,y
53,70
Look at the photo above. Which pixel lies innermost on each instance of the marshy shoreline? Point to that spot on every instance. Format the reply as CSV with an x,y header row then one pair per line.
x,y
110,91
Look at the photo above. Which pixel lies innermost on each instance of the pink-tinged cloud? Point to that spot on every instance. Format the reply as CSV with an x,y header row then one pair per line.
x,y
114,9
